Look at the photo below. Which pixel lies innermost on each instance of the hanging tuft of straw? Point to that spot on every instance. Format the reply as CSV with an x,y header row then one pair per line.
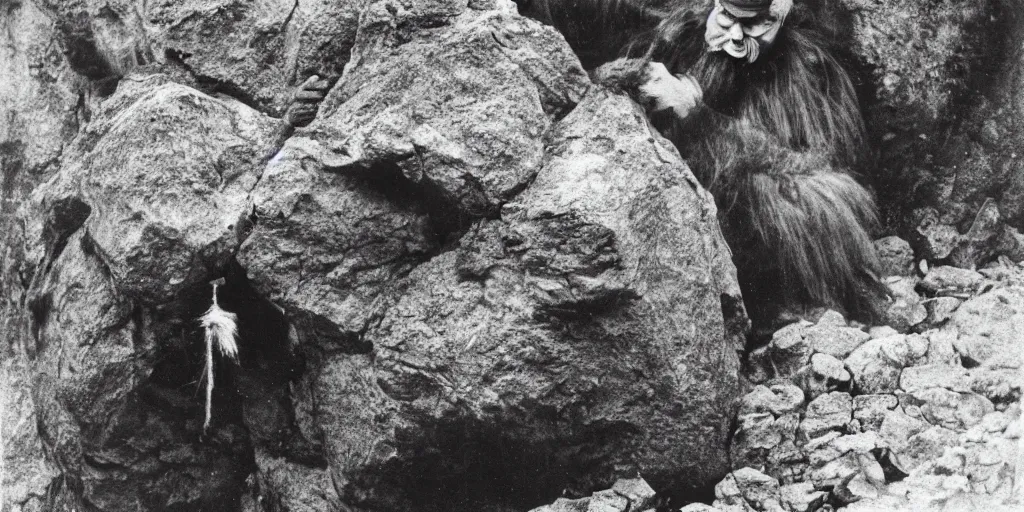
x,y
221,330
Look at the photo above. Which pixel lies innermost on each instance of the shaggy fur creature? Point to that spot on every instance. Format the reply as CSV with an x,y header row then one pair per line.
x,y
774,141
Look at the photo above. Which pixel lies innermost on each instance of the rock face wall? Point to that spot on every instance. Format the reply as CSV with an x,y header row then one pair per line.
x,y
475,281
943,91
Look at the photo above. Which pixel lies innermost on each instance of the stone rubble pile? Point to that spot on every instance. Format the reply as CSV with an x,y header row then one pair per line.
x,y
922,414
626,495
913,414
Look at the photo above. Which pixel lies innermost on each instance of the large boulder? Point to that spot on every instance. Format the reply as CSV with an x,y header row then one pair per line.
x,y
501,294
149,203
402,155
160,181
583,333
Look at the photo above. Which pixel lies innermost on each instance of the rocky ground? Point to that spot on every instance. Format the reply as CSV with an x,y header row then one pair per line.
x,y
923,414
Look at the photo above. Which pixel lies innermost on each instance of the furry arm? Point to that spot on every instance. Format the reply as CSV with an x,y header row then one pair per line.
x,y
721,148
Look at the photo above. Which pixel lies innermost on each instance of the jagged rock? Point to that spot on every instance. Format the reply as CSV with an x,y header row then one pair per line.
x,y
870,410
637,491
28,474
940,347
632,494
921,448
565,505
934,237
789,347
835,340
832,318
699,507
824,450
829,368
843,469
914,78
950,377
830,411
896,256
953,173
836,460
444,303
327,246
955,411
39,100
933,493
148,204
158,150
824,374
607,501
941,309
784,356
253,51
801,497
1001,385
748,489
995,421
917,346
876,365
881,331
778,400
855,489
505,341
897,429
906,309
945,281
757,435
417,119
1011,243
990,326
294,487
787,462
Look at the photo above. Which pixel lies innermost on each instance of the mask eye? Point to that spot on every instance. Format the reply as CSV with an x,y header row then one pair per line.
x,y
758,29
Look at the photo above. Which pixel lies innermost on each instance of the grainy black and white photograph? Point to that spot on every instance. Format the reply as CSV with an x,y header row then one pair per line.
x,y
511,255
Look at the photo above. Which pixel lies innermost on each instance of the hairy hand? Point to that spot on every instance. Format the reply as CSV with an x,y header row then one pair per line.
x,y
663,91
622,76
306,101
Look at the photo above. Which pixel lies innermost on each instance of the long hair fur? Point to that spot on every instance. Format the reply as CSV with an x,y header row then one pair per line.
x,y
775,144
797,91
782,134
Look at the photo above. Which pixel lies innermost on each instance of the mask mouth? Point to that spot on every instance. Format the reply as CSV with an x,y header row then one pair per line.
x,y
747,49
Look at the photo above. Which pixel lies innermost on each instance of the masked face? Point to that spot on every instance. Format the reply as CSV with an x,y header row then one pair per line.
x,y
740,37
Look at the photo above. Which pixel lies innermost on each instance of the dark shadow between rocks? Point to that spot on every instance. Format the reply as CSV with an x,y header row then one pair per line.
x,y
448,222
471,466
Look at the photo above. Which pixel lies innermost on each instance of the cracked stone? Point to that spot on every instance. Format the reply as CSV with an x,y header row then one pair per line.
x,y
870,410
896,256
828,412
876,365
946,280
836,341
914,378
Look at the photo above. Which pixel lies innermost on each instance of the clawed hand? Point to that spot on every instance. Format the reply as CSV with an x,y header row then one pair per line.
x,y
663,91
306,101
